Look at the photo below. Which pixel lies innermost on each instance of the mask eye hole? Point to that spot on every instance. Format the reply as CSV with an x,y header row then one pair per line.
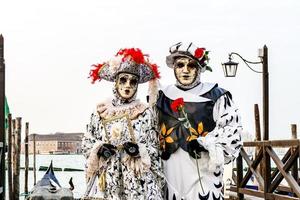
x,y
192,65
179,64
133,82
123,80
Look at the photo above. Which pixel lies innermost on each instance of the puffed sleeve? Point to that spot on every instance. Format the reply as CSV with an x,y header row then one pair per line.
x,y
91,143
155,176
92,135
224,142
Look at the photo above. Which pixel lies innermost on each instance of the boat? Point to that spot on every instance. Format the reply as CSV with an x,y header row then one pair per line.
x,y
49,188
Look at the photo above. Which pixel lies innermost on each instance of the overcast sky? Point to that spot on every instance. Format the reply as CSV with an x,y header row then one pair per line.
x,y
50,46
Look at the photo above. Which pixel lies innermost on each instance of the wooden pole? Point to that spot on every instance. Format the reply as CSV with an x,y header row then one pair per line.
x,y
239,165
257,123
9,158
13,143
260,167
18,151
2,120
294,131
265,93
267,160
294,169
267,171
26,158
34,159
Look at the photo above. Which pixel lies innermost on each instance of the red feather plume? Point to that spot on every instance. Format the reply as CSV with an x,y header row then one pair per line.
x,y
155,70
134,54
94,73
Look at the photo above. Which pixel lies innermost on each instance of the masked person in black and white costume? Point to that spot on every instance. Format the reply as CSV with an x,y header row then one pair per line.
x,y
122,145
200,137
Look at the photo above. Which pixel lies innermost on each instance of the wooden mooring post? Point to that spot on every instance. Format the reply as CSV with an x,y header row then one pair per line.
x,y
9,158
26,158
17,157
260,167
13,153
2,120
257,123
294,169
34,161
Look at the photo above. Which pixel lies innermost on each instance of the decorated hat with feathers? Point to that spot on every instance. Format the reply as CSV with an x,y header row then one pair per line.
x,y
130,60
133,61
189,50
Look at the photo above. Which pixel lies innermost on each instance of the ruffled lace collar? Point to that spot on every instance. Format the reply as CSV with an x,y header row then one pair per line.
x,y
107,110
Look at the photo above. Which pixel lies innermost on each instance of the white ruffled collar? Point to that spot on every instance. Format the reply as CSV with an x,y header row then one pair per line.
x,y
192,95
107,110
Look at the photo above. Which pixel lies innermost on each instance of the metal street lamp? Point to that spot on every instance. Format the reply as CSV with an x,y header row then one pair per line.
x,y
230,69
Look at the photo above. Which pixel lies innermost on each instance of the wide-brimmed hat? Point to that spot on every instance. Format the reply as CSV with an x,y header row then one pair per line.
x,y
126,61
129,61
190,51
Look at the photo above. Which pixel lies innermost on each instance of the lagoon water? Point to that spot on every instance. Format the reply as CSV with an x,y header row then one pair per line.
x,y
67,161
61,161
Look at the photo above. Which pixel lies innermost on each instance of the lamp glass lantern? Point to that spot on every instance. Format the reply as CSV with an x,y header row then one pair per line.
x,y
230,68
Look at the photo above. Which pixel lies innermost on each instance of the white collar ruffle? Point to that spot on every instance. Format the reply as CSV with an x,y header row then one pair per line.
x,y
106,110
192,95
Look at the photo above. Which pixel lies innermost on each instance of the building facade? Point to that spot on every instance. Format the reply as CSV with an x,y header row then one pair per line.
x,y
57,143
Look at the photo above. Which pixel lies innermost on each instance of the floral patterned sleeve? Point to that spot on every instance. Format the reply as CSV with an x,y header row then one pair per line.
x,y
92,135
224,142
155,176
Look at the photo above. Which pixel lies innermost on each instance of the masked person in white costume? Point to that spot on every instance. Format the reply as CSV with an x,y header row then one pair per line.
x,y
121,145
200,128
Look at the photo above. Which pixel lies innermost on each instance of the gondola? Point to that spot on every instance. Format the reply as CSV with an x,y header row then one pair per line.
x,y
49,188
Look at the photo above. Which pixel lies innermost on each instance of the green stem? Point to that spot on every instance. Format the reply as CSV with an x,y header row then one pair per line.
x,y
187,123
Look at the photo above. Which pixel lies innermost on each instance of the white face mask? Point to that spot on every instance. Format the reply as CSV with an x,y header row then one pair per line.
x,y
186,70
126,85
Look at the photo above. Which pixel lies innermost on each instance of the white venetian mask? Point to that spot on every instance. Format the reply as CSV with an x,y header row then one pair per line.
x,y
186,70
126,85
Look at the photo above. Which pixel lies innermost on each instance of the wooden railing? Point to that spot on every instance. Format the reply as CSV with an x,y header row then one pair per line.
x,y
268,180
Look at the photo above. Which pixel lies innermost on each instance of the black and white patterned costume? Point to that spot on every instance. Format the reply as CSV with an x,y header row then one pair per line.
x,y
122,172
121,182
222,141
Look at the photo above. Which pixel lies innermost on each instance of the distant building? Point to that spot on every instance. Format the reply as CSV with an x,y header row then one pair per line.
x,y
57,143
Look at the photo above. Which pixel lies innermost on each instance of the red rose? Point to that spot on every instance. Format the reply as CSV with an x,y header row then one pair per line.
x,y
177,104
199,52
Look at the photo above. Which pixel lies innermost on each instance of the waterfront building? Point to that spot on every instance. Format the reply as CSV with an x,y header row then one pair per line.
x,y
57,143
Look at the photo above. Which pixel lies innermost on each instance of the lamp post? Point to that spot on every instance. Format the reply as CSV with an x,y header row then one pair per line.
x,y
230,69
